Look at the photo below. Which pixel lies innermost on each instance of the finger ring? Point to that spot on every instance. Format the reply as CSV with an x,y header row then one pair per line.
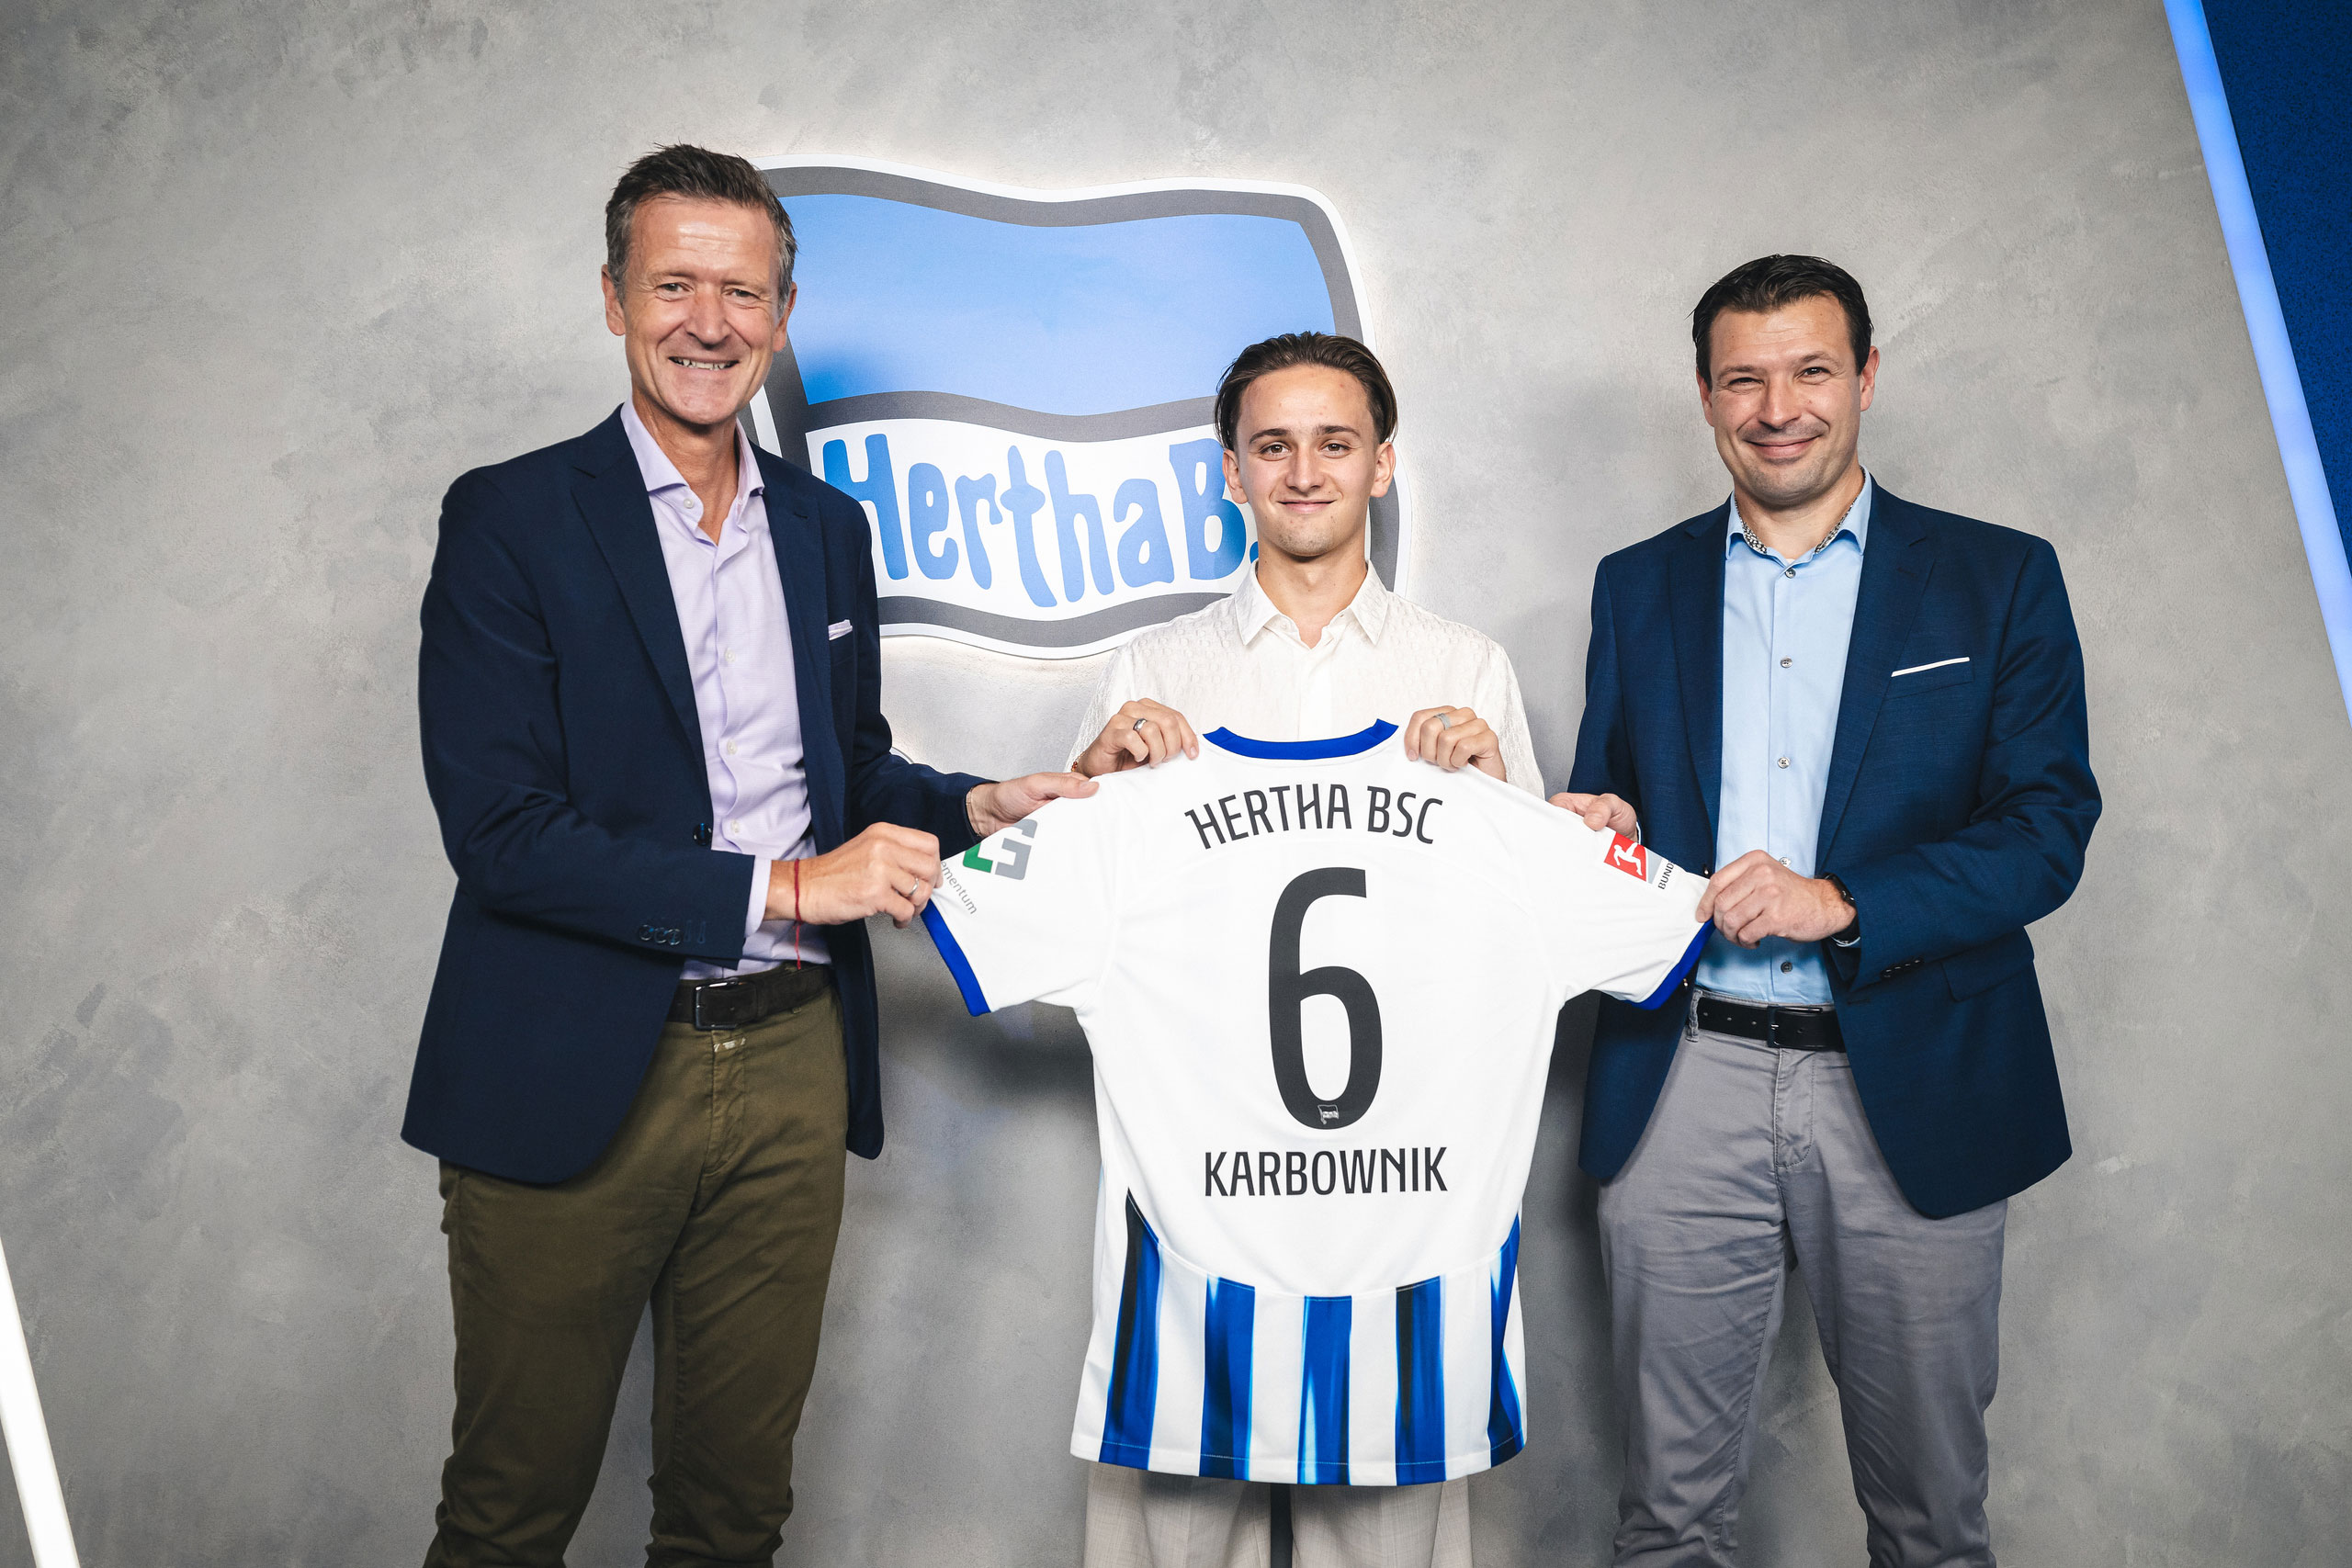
x,y
1140,723
1444,722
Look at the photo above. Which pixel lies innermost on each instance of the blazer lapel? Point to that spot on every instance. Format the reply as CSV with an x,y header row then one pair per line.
x,y
1895,567
1695,586
611,497
800,563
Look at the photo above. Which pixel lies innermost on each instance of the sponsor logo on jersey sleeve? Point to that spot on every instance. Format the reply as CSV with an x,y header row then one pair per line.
x,y
1007,854
1629,857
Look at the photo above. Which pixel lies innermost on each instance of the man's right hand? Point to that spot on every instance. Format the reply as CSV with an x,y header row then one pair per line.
x,y
1143,734
1600,811
887,870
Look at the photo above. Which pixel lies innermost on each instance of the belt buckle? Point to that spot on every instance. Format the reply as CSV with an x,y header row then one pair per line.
x,y
1772,1027
704,1017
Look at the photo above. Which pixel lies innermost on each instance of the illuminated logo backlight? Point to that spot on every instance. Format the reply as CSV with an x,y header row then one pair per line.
x,y
1018,387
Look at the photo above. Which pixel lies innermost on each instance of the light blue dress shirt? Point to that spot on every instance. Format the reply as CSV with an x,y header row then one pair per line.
x,y
1786,624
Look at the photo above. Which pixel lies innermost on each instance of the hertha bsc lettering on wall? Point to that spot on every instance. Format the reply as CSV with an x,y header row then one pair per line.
x,y
1017,385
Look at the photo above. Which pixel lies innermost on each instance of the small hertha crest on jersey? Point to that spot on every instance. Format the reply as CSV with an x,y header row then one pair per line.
x,y
1627,856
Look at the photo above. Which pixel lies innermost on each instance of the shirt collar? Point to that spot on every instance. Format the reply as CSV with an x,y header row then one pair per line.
x,y
1369,609
1855,524
660,474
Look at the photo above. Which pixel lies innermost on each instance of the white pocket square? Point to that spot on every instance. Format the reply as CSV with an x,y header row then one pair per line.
x,y
838,629
1939,664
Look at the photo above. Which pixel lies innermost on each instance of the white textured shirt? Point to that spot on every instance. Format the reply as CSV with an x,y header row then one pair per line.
x,y
739,649
1240,665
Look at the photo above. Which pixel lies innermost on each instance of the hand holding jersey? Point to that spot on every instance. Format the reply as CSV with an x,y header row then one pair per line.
x,y
1312,1165
1141,734
1601,810
994,807
1454,738
888,870
1757,896
885,870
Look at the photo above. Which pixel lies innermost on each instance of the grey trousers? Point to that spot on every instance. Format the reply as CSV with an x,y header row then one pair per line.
x,y
1757,1161
1140,1518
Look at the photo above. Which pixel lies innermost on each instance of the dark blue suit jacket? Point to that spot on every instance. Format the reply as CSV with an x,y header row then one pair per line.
x,y
1958,807
565,762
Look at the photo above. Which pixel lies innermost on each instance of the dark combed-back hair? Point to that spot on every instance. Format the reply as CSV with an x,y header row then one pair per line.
x,y
1292,349
700,175
1772,283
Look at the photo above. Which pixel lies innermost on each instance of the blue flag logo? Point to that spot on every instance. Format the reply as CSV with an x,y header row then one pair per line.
x,y
1018,385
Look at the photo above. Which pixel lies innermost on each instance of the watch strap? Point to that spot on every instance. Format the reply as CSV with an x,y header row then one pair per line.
x,y
1852,933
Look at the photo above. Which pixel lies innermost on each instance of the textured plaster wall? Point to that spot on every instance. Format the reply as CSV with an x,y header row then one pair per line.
x,y
276,272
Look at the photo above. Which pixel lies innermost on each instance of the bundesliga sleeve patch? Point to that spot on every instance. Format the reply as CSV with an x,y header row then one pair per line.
x,y
1626,856
1320,983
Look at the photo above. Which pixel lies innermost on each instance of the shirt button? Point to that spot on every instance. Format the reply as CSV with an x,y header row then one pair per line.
x,y
1783,860
1784,663
730,751
735,826
1783,761
1786,965
1789,572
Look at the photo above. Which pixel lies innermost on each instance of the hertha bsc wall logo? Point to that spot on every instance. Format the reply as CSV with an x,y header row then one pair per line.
x,y
1018,385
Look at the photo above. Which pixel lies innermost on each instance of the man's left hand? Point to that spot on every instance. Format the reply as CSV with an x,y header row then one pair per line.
x,y
1451,737
993,807
1599,811
1756,896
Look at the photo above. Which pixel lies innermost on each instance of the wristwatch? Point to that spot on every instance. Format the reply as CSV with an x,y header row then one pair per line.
x,y
1852,935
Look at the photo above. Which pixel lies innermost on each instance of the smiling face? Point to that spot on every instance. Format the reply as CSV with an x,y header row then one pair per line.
x,y
1310,461
699,310
1786,400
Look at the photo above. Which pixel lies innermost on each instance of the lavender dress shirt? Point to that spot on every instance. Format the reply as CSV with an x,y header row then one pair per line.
x,y
738,647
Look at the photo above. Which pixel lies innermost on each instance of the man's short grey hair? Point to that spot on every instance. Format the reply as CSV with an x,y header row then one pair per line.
x,y
700,175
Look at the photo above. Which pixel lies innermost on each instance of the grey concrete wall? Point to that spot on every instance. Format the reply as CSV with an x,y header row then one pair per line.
x,y
275,272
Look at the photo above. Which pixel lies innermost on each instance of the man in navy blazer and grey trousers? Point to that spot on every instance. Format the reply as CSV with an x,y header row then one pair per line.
x,y
1865,720
651,696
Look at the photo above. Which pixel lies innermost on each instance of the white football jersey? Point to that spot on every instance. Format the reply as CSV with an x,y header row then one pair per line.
x,y
1320,981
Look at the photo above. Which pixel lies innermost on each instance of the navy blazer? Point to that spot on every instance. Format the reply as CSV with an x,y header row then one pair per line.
x,y
1958,803
565,762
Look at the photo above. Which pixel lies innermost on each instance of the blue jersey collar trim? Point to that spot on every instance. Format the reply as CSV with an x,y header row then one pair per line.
x,y
1363,740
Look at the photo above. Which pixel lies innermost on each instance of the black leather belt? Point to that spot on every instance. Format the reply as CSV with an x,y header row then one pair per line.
x,y
747,999
1785,1028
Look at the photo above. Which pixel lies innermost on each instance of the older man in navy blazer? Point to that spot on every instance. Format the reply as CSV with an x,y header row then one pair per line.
x,y
650,694
1865,720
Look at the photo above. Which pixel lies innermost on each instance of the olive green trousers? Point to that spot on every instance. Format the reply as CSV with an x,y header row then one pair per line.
x,y
717,1202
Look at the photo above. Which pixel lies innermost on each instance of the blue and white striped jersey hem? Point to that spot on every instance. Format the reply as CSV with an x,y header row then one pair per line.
x,y
1196,1375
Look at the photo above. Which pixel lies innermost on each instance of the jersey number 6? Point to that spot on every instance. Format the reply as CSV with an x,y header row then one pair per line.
x,y
1286,994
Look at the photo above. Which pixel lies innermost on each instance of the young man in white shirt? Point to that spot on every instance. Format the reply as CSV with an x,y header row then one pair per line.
x,y
1312,645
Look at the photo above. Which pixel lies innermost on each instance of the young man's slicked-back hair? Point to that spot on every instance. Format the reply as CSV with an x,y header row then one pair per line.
x,y
1772,283
1291,349
699,175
